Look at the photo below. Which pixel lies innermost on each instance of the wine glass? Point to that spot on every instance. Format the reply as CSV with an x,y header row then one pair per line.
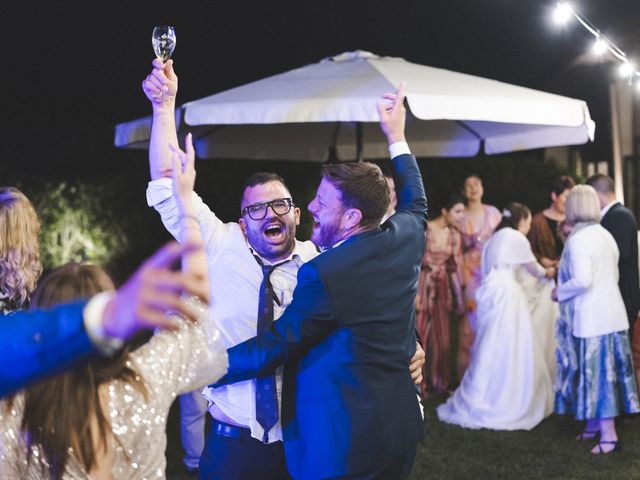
x,y
163,40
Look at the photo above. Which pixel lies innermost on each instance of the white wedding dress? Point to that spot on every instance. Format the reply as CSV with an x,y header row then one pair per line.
x,y
508,385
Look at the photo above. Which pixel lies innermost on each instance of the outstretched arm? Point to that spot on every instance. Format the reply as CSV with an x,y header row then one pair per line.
x,y
43,342
161,87
306,321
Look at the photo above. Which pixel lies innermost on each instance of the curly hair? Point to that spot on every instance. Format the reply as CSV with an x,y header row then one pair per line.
x,y
20,265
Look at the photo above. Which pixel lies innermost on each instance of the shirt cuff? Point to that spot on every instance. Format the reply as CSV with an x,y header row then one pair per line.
x,y
399,148
92,314
159,190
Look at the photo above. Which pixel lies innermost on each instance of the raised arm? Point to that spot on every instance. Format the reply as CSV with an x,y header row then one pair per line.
x,y
184,177
161,87
408,180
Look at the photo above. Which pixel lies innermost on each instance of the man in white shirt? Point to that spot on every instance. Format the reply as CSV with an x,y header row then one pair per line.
x,y
238,446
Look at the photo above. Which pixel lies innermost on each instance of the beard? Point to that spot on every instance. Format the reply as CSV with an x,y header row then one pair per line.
x,y
326,236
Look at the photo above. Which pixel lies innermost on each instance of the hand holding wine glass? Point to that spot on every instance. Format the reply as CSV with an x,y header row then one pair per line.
x,y
163,40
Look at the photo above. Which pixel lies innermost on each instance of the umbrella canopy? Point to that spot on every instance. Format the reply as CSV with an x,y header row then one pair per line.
x,y
327,111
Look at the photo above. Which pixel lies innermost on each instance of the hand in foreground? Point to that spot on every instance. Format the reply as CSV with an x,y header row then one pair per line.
x,y
161,84
393,114
184,175
416,364
142,302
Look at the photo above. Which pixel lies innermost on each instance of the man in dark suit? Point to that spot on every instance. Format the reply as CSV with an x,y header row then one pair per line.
x,y
349,404
44,342
621,223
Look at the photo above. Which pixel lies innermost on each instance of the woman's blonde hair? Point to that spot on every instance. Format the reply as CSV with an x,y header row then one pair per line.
x,y
20,265
582,205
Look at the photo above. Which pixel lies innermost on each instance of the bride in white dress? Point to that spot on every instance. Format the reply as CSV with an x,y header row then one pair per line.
x,y
508,385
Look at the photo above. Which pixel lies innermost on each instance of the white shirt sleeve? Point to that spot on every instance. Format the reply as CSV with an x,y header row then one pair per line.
x,y
215,233
92,316
399,148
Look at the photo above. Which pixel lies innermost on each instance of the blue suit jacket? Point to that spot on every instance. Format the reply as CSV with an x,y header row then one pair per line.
x,y
347,337
39,343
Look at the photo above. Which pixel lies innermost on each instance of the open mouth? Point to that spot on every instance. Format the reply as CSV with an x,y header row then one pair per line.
x,y
274,232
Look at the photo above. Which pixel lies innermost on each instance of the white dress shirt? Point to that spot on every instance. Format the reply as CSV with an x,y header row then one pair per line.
x,y
235,279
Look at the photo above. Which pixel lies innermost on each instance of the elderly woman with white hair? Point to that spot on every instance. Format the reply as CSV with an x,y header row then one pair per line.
x,y
595,379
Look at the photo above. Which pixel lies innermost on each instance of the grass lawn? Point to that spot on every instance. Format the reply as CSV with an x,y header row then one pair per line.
x,y
547,452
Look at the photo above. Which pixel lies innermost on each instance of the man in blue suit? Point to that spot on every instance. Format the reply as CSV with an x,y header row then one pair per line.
x,y
349,404
44,342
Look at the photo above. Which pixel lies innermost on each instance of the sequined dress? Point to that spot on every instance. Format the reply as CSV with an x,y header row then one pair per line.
x,y
171,363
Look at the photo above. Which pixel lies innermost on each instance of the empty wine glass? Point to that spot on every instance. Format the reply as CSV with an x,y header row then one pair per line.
x,y
163,40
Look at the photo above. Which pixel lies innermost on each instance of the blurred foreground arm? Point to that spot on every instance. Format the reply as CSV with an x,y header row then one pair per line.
x,y
42,342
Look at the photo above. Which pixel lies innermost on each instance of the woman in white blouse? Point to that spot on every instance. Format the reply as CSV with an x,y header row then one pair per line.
x,y
595,379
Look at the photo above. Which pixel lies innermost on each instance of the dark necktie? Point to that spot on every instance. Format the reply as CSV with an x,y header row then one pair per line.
x,y
266,394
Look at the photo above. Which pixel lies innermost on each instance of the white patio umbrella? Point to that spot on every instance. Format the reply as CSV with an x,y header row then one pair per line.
x,y
327,110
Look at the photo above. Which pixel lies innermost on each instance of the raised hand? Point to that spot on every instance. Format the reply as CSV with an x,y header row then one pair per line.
x,y
143,301
393,114
184,175
161,85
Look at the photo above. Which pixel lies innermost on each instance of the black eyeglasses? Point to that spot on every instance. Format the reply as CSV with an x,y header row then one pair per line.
x,y
257,211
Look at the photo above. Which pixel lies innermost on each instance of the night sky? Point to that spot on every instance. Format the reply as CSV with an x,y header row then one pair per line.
x,y
74,68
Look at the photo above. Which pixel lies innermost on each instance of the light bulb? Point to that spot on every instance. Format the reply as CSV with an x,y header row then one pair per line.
x,y
599,46
562,13
626,69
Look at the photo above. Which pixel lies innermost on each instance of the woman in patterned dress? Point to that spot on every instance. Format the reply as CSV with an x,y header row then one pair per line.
x,y
440,293
477,225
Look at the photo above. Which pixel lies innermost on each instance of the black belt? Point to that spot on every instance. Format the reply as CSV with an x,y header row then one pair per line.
x,y
226,430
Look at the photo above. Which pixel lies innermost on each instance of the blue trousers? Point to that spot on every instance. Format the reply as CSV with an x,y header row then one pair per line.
x,y
241,458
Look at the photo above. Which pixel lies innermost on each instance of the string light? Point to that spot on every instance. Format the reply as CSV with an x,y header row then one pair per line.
x,y
626,69
565,12
599,46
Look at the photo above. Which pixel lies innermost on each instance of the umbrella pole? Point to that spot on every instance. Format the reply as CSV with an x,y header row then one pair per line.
x,y
359,141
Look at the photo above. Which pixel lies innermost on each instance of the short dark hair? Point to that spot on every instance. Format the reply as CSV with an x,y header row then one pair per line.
x,y
451,200
601,183
471,175
362,186
260,178
512,214
561,183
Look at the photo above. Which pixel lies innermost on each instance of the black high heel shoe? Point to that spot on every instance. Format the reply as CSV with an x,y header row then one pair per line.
x,y
617,446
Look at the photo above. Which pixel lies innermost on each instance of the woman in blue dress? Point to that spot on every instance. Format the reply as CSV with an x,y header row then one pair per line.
x,y
595,379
